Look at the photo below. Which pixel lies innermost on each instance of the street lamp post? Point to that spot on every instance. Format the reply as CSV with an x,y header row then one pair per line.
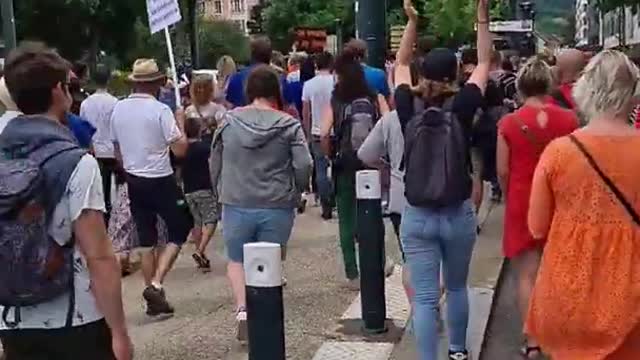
x,y
8,25
371,27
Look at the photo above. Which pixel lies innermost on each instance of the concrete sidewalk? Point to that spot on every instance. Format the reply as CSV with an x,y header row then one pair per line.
x,y
483,278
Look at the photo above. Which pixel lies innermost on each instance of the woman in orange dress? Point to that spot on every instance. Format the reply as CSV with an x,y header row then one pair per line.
x,y
586,301
522,136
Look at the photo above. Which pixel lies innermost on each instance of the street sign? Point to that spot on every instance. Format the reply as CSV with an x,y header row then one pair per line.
x,y
162,14
396,36
510,26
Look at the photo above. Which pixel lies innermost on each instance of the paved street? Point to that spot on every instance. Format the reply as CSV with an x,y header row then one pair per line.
x,y
203,327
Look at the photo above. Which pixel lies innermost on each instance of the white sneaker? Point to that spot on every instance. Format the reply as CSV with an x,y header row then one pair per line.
x,y
241,320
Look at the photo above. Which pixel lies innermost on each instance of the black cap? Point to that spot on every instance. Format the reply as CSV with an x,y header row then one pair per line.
x,y
440,65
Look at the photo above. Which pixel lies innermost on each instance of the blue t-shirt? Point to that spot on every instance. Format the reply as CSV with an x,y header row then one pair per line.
x,y
82,129
377,80
236,94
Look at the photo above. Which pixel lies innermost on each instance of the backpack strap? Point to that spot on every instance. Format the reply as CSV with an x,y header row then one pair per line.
x,y
607,180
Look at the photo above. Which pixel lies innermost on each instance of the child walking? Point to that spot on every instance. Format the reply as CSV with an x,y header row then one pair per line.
x,y
199,192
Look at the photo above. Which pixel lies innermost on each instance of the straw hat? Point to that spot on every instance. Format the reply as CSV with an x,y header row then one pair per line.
x,y
146,70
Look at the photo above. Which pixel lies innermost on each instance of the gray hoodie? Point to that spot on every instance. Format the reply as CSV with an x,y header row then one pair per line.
x,y
261,158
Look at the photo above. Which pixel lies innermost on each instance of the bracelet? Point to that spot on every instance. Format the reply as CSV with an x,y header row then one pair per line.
x,y
482,22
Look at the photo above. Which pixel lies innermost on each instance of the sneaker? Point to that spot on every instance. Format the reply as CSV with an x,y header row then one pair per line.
x,y
353,284
202,262
241,320
327,213
157,303
458,355
302,206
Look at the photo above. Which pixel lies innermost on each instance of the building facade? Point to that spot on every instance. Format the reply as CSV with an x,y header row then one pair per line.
x,y
587,23
237,11
620,27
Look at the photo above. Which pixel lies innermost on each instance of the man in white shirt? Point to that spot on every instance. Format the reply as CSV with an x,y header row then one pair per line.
x,y
144,132
97,109
316,98
86,322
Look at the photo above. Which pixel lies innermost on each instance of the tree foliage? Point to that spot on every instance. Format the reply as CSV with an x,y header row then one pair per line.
x,y
77,27
218,38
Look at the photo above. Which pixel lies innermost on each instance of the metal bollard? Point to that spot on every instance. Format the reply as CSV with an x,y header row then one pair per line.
x,y
370,235
265,310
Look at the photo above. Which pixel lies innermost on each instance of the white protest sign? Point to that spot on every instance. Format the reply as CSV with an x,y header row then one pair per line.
x,y
162,14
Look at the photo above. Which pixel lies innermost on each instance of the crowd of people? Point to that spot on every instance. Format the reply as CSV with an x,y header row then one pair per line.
x,y
89,181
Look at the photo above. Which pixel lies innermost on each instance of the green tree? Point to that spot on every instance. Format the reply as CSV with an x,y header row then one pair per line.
x,y
218,38
79,27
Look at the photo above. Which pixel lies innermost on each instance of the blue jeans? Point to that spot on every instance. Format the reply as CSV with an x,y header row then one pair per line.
x,y
321,164
247,225
431,238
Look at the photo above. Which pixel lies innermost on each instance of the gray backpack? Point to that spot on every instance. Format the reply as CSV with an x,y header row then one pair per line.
x,y
37,158
356,122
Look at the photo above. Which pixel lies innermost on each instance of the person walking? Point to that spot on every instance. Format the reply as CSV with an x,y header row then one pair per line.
x,y
316,98
76,310
201,197
144,132
226,67
522,137
97,110
202,107
439,225
352,98
569,65
584,207
261,161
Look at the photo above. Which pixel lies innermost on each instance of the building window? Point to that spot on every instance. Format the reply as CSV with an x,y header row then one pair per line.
x,y
217,6
236,5
201,7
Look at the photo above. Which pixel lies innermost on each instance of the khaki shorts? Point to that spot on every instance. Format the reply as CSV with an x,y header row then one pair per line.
x,y
204,207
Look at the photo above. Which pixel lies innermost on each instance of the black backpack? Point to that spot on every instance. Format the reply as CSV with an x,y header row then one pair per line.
x,y
354,125
436,159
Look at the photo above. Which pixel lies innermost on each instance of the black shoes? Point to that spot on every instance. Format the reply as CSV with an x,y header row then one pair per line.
x,y
157,303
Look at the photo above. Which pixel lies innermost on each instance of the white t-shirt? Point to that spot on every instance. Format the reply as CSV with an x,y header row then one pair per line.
x,y
318,92
84,192
144,128
97,109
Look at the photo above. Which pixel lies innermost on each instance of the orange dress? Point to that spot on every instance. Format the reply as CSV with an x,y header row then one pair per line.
x,y
586,301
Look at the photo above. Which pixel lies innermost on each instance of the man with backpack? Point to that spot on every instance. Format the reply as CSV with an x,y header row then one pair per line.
x,y
60,291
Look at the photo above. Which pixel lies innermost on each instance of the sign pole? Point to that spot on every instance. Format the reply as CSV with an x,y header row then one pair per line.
x,y
172,62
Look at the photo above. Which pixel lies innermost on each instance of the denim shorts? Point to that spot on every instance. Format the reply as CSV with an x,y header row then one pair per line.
x,y
247,225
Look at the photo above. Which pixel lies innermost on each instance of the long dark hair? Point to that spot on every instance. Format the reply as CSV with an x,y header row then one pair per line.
x,y
351,84
308,69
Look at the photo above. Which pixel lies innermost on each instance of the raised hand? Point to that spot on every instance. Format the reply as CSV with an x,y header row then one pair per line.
x,y
483,11
410,10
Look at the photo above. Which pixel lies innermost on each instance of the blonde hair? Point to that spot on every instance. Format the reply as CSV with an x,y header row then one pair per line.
x,y
435,92
226,67
535,78
202,89
607,85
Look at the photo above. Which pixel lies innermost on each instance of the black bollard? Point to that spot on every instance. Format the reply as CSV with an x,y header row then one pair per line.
x,y
265,310
370,235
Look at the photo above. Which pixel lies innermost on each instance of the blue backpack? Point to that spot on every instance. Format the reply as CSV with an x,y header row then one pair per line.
x,y
37,158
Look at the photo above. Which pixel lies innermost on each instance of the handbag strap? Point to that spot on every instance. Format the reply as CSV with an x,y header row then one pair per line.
x,y
632,212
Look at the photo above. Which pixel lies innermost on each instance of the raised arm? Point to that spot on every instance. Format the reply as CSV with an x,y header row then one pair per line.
x,y
405,53
480,75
